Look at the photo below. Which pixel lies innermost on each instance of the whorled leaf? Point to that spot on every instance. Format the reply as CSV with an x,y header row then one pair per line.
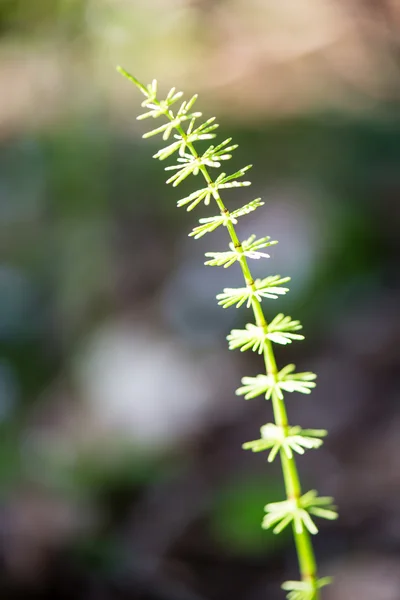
x,y
203,194
288,439
298,511
201,133
249,248
189,165
286,380
252,338
304,590
281,328
209,224
261,288
246,209
225,181
167,128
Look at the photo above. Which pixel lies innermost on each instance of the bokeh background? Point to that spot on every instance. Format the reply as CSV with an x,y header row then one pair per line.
x,y
121,469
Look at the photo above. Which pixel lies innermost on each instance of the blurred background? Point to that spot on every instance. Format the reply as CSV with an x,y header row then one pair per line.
x,y
121,469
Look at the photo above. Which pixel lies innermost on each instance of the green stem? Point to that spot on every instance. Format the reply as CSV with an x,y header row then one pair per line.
x,y
304,546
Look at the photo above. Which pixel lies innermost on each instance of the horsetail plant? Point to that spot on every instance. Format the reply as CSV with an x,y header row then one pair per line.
x,y
181,130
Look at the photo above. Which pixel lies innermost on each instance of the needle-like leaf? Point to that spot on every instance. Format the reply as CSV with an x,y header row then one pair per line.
x,y
290,439
286,380
261,288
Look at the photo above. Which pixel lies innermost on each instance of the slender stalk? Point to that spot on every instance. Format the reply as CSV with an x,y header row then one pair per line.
x,y
304,546
279,436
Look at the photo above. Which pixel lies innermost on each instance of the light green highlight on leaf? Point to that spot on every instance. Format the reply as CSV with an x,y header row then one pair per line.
x,y
203,132
249,248
261,288
252,338
298,512
286,380
281,328
255,337
288,439
209,224
222,182
191,165
304,590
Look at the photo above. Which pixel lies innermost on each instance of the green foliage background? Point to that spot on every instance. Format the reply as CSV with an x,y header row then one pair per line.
x,y
90,237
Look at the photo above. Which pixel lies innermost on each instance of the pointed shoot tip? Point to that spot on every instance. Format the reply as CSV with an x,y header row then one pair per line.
x,y
124,73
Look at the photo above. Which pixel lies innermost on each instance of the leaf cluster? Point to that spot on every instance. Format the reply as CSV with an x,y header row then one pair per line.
x,y
298,511
209,224
286,380
288,439
254,337
269,287
304,590
249,248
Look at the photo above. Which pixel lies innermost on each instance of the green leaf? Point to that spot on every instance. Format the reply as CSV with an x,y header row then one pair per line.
x,y
167,128
290,381
253,337
221,152
281,328
291,439
297,511
209,224
255,386
167,151
246,209
189,165
153,132
262,288
160,108
190,103
202,132
304,590
249,248
229,180
196,197
286,380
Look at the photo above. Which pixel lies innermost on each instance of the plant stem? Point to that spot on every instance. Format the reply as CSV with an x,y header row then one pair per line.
x,y
304,546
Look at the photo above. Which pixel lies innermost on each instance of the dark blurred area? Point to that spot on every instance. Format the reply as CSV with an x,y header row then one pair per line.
x,y
121,469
